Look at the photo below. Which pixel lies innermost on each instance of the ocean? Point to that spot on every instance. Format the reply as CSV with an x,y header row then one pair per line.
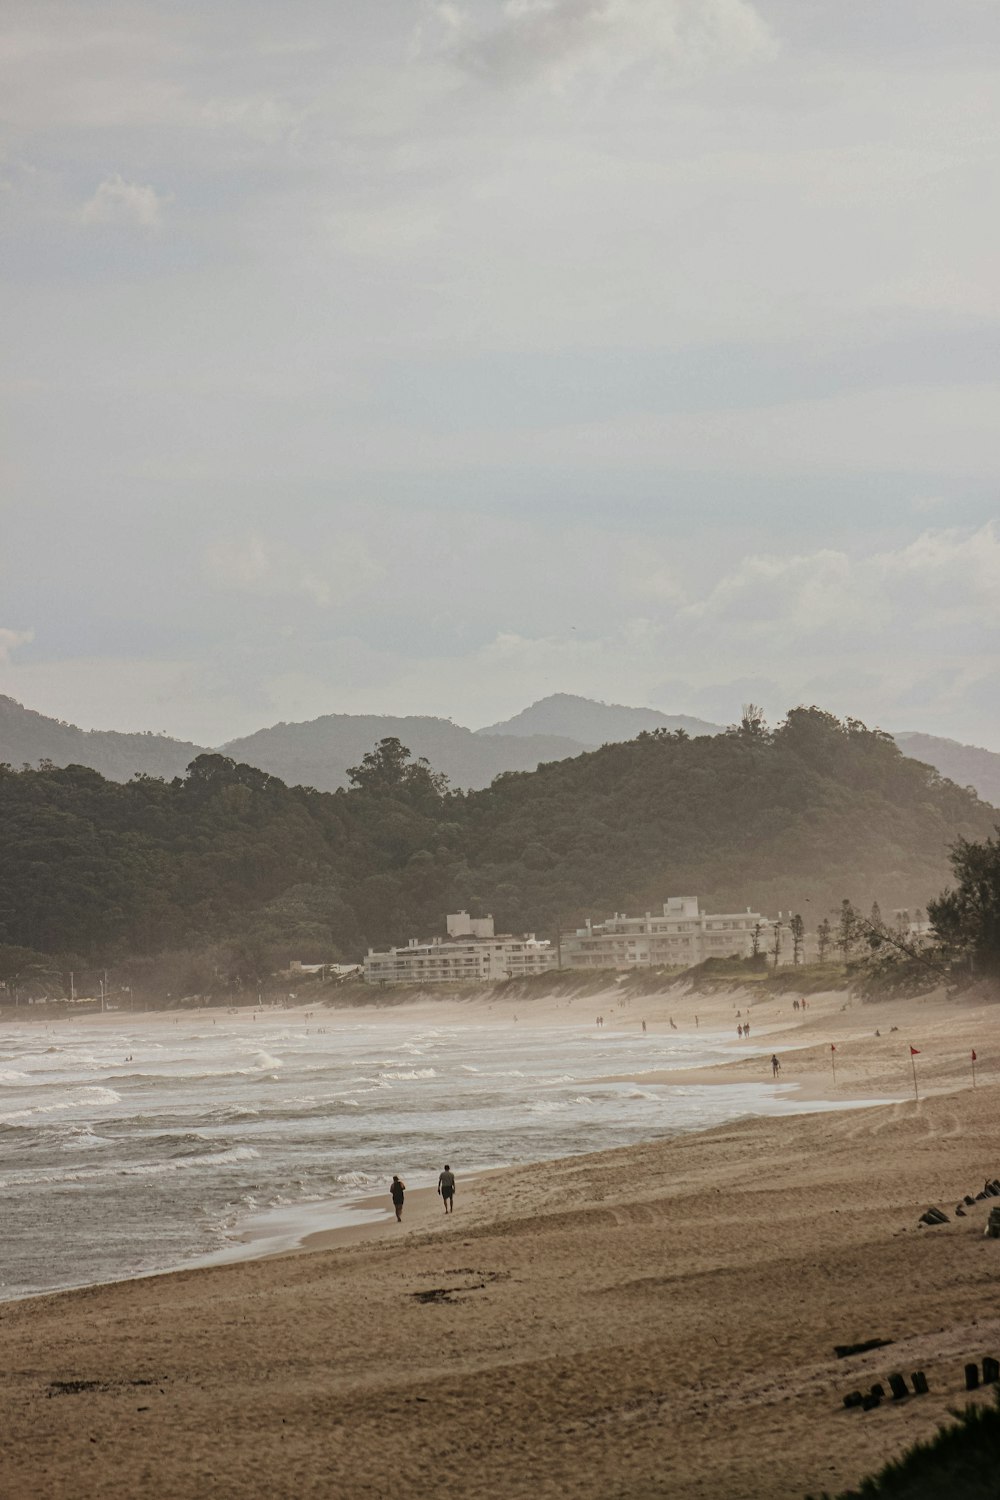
x,y
131,1145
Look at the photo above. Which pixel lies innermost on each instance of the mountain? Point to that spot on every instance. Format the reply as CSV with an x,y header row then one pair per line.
x,y
796,819
319,752
27,737
966,764
591,724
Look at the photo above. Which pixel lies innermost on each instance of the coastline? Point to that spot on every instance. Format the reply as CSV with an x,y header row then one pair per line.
x,y
653,1320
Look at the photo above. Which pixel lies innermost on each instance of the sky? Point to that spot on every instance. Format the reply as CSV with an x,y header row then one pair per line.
x,y
431,356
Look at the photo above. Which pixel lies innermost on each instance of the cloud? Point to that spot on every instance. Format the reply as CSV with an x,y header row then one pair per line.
x,y
11,639
334,574
558,42
126,203
943,576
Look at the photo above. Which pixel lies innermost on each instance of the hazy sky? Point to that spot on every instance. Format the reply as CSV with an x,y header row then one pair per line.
x,y
391,356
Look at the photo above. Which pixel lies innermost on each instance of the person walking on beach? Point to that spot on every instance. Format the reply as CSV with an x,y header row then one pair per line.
x,y
775,1065
643,1025
446,1187
396,1193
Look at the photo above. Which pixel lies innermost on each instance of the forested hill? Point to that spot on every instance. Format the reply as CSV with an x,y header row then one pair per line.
x,y
27,737
318,753
796,819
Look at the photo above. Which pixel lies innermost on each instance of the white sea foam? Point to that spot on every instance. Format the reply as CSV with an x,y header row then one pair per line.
x,y
205,1128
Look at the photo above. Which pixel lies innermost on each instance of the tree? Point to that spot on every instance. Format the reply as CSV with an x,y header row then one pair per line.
x,y
824,938
776,944
758,929
798,930
847,929
390,770
967,919
752,725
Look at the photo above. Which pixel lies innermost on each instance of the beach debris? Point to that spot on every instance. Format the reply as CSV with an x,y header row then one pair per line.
x,y
968,1200
991,1371
844,1351
972,1376
79,1387
992,1230
868,1401
934,1216
959,1211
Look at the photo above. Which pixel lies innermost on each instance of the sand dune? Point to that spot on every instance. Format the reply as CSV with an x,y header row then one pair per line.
x,y
657,1321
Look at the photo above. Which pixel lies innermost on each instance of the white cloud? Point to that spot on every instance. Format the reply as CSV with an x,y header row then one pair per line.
x,y
561,41
11,639
948,575
270,568
130,203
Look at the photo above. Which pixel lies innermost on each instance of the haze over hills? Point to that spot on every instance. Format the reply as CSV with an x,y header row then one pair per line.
x,y
27,737
794,819
967,764
318,752
591,724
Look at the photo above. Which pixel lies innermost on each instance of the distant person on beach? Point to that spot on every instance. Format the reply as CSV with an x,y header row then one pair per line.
x,y
446,1187
746,1029
775,1065
396,1193
739,1032
643,1025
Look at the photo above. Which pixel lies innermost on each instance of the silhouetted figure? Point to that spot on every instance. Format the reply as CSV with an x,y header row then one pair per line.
x,y
775,1065
397,1193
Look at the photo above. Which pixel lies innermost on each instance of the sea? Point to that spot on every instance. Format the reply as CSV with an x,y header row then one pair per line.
x,y
131,1145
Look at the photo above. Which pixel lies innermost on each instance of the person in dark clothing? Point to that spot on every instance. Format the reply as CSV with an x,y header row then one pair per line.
x,y
396,1193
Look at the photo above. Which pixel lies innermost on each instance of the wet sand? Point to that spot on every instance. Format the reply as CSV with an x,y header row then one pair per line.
x,y
655,1321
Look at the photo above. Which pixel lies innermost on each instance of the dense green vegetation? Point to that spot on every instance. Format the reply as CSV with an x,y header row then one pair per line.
x,y
967,917
962,1460
789,820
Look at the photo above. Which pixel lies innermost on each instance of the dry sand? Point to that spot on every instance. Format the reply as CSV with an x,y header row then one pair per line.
x,y
657,1321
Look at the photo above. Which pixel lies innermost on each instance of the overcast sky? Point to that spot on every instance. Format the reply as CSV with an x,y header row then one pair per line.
x,y
405,357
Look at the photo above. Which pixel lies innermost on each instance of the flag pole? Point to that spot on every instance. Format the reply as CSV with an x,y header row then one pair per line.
x,y
833,1061
913,1065
973,1067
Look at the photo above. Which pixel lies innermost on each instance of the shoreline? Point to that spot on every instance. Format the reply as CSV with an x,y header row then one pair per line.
x,y
652,1320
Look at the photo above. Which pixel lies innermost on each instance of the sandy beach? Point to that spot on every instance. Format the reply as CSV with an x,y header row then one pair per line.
x,y
653,1321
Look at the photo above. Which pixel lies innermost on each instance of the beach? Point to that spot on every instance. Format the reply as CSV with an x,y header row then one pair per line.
x,y
655,1320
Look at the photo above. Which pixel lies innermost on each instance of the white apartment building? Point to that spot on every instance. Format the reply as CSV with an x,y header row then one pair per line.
x,y
678,937
471,954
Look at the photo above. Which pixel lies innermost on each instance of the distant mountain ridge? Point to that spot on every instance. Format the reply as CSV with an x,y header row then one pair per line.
x,y
318,752
27,737
592,724
968,765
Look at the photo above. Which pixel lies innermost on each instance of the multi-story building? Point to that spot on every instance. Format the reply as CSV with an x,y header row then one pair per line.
x,y
471,954
678,937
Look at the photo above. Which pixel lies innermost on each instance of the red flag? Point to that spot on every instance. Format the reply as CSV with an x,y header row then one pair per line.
x,y
832,1047
914,1051
973,1054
